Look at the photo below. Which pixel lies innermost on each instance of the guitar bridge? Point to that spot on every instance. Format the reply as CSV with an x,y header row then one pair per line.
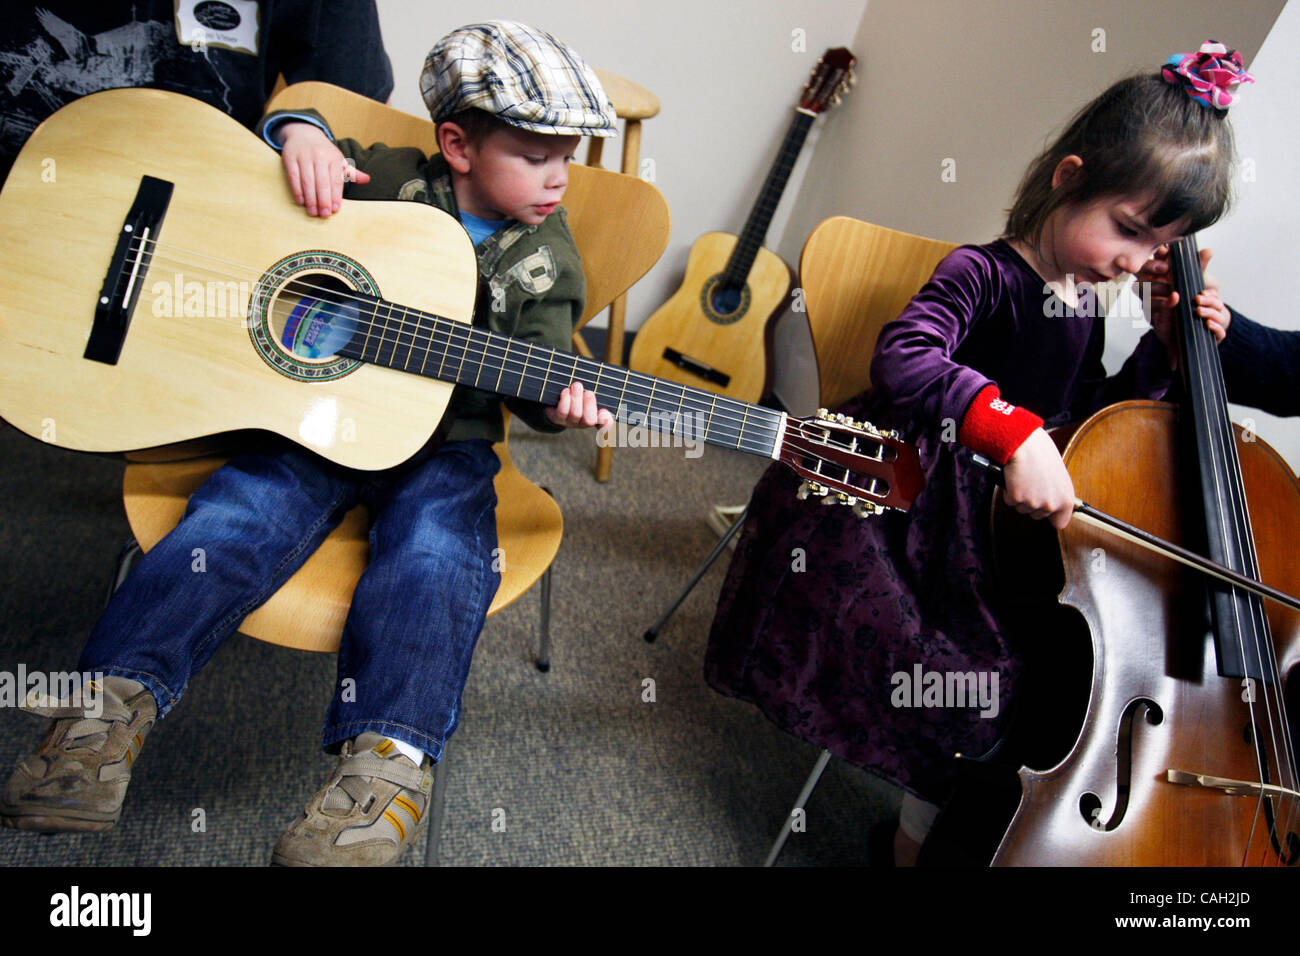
x,y
126,272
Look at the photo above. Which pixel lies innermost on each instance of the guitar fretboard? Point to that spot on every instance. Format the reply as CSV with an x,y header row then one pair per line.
x,y
411,341
760,216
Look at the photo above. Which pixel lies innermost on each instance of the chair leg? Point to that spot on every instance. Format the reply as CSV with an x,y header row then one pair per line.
x,y
804,794
653,632
544,625
436,803
127,559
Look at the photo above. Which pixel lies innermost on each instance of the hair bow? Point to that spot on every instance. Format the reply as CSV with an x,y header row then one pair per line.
x,y
1210,75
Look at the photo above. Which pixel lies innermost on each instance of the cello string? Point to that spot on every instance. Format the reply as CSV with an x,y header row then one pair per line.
x,y
1194,362
1229,483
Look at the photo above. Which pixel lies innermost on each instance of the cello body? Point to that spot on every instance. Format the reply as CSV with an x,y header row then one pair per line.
x,y
1157,701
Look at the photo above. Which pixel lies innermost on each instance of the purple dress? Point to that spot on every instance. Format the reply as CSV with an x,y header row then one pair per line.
x,y
821,612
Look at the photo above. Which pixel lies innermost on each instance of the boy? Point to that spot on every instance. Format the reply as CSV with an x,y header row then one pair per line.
x,y
511,103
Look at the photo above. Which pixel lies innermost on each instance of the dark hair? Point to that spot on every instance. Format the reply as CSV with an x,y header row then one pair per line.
x,y
1142,135
476,123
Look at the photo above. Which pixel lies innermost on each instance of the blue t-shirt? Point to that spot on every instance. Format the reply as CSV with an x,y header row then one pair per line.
x,y
480,228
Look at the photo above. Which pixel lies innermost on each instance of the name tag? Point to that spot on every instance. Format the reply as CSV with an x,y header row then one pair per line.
x,y
228,24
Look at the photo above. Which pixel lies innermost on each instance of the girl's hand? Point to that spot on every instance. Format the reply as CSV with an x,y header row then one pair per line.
x,y
316,169
1037,483
577,409
1163,298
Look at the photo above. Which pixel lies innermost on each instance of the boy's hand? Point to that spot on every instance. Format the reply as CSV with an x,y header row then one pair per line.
x,y
1037,483
577,409
1209,304
316,169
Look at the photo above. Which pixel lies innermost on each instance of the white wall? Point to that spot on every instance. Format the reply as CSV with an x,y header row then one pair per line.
x,y
725,72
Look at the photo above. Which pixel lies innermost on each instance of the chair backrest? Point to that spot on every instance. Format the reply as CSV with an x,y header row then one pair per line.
x,y
857,276
621,223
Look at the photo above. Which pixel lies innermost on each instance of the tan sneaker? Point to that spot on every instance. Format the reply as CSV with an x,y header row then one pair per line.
x,y
77,778
367,813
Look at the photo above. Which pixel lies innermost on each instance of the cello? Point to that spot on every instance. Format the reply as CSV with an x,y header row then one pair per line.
x,y
1186,753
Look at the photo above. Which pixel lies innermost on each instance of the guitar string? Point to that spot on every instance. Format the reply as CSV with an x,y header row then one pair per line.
x,y
739,440
1229,480
422,334
722,417
420,327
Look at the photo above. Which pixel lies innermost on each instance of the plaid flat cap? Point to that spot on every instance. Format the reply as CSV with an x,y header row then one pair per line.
x,y
521,75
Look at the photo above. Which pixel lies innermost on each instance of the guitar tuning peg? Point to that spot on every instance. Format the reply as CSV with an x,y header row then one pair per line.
x,y
809,488
867,509
823,413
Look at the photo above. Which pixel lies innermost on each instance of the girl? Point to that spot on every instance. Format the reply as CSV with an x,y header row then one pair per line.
x,y
999,344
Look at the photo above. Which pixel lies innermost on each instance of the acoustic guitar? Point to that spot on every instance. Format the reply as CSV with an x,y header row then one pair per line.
x,y
714,330
160,284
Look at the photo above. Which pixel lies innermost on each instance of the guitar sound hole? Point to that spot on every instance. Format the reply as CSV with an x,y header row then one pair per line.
x,y
314,316
726,301
722,303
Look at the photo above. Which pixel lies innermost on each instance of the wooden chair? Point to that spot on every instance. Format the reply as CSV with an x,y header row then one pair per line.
x,y
621,226
856,276
632,104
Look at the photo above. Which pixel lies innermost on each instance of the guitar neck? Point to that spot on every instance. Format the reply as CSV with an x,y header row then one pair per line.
x,y
411,341
760,216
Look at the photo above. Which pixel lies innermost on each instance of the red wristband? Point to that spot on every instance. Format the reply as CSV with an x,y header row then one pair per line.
x,y
996,428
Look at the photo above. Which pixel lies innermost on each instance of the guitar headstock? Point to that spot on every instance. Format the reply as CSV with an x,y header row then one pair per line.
x,y
852,463
830,80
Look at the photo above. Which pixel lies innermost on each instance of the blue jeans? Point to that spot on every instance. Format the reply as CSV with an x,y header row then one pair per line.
x,y
416,614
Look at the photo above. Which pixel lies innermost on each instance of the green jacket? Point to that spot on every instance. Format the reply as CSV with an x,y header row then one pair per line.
x,y
531,284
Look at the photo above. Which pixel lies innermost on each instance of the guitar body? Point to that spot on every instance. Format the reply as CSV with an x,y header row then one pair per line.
x,y
188,365
734,344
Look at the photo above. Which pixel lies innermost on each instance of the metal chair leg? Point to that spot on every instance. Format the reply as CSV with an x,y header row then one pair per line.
x,y
804,794
653,632
544,625
437,801
127,559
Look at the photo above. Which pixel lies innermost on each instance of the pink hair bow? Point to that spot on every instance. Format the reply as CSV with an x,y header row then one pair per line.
x,y
1210,75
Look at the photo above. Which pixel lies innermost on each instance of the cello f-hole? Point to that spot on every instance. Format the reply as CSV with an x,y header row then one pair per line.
x,y
1090,805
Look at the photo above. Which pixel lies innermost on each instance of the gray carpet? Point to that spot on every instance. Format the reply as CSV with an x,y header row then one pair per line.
x,y
579,768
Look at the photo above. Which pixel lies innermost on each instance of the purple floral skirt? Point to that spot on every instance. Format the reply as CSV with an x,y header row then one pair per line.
x,y
870,637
